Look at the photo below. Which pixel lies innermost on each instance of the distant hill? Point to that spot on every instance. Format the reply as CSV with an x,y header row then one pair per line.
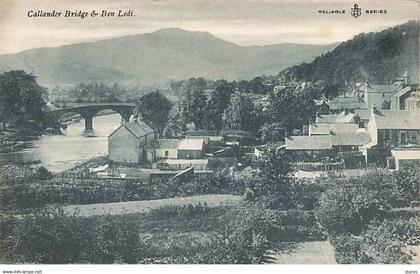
x,y
157,57
377,57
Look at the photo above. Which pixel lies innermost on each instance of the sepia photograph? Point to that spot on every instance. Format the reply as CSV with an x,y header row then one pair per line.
x,y
209,132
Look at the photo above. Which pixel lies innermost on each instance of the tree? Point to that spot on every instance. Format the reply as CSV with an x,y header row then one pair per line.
x,y
272,182
239,114
154,108
405,183
194,104
22,100
350,206
176,121
219,100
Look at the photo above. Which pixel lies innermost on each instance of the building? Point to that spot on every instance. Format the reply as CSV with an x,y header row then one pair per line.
x,y
413,101
394,128
347,104
398,98
176,149
376,95
342,117
332,128
163,149
362,116
309,144
127,143
404,158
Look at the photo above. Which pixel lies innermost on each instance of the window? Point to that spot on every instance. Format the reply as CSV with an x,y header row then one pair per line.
x,y
415,137
402,137
166,153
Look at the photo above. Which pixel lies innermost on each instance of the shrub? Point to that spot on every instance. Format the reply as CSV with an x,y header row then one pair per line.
x,y
52,237
181,211
349,249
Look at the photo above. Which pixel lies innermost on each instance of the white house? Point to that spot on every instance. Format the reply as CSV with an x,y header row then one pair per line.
x,y
127,143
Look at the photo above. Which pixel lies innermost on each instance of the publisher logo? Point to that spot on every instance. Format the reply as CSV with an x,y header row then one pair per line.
x,y
356,11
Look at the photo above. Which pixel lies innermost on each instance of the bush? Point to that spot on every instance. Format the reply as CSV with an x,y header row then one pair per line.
x,y
52,237
180,211
69,190
305,195
349,249
381,243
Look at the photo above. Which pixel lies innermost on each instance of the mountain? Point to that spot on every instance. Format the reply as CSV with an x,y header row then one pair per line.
x,y
376,57
157,57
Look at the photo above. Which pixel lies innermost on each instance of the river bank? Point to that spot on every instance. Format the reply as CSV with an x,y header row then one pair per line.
x,y
61,152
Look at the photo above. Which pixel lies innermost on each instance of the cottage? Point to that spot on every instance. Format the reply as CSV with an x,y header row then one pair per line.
x,y
350,141
128,142
394,128
342,117
177,149
340,104
332,128
164,149
190,149
413,101
308,144
362,116
398,98
404,158
376,95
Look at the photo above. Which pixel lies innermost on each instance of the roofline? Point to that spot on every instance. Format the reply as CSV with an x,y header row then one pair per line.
x,y
115,130
126,128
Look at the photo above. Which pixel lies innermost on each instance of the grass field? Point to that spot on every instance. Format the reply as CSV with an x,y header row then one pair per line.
x,y
145,206
317,252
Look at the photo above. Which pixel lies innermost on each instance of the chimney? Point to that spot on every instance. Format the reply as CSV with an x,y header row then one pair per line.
x,y
374,109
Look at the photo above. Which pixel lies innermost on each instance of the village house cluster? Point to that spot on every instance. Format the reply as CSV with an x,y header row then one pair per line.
x,y
370,124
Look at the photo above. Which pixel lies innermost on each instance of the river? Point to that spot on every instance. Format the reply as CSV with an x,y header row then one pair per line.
x,y
60,152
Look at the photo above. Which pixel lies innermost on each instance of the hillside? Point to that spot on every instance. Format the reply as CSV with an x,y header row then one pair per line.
x,y
375,57
157,57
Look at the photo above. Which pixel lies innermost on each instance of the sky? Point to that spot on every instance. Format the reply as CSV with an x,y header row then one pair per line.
x,y
244,22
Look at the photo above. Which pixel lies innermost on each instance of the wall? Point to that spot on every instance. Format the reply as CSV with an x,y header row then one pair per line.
x,y
392,137
404,163
123,147
190,154
160,153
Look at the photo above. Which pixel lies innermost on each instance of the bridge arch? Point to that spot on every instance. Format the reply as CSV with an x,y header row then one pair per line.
x,y
89,111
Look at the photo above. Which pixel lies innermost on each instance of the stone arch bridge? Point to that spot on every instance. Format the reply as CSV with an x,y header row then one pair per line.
x,y
89,110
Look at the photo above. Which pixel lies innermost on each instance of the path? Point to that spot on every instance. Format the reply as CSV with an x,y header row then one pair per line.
x,y
316,252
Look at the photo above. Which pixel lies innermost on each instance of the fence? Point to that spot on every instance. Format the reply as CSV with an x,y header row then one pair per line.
x,y
318,166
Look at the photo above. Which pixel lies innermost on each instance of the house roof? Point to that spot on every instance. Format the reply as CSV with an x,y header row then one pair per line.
x,y
351,139
332,128
397,119
381,88
364,114
137,128
346,105
183,144
308,142
401,92
408,154
191,144
166,143
335,118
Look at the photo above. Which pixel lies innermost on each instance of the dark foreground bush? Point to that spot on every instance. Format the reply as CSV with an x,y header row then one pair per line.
x,y
55,238
174,235
381,243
